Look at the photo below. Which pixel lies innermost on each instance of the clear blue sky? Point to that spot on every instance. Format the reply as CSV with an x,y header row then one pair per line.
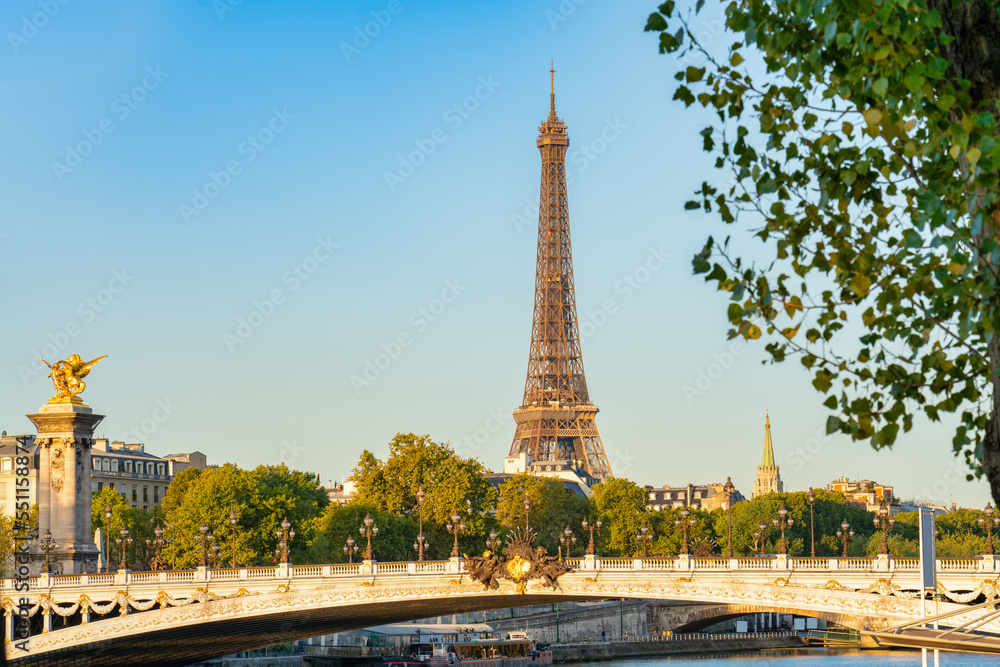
x,y
172,168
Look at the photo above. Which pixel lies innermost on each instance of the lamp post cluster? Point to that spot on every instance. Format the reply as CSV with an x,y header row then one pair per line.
x,y
684,523
845,534
421,544
46,544
567,539
760,538
368,530
990,522
591,548
156,544
124,542
204,537
783,522
885,522
285,535
644,538
455,527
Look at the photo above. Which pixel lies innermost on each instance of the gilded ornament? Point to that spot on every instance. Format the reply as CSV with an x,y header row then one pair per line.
x,y
67,377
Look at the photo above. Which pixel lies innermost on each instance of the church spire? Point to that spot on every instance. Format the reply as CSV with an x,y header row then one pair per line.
x,y
767,461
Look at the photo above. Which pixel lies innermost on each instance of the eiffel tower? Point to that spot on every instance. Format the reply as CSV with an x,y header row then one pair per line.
x,y
556,418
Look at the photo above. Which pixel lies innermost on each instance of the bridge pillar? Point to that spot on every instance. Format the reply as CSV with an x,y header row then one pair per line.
x,y
65,438
590,563
455,565
201,573
684,563
781,562
988,563
882,563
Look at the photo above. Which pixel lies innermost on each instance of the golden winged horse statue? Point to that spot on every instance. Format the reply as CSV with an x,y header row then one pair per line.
x,y
67,376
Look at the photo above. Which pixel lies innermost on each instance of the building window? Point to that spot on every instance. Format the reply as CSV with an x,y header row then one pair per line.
x,y
111,485
114,465
135,494
106,464
128,466
100,486
156,494
159,468
7,464
652,496
145,494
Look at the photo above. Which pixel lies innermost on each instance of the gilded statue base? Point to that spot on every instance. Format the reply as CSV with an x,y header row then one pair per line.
x,y
67,400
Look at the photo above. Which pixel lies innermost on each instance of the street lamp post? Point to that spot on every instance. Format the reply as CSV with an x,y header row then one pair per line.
x,y
527,510
885,522
421,542
203,536
592,548
729,488
157,545
455,527
567,539
684,523
46,544
845,534
232,522
285,535
990,522
644,537
350,548
123,542
783,522
215,555
493,541
369,530
107,538
760,535
811,497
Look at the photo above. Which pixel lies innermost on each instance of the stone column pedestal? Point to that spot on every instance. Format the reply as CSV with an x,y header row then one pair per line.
x,y
65,438
591,563
455,565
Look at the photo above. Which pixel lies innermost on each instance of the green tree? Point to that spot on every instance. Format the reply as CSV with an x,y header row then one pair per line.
x,y
451,484
261,498
620,504
668,533
553,507
861,140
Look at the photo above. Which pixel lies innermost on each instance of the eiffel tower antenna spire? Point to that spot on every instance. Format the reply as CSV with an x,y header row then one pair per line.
x,y
556,418
552,95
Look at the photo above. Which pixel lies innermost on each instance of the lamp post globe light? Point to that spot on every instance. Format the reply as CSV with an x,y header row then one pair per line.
x,y
285,535
592,547
233,519
684,523
421,544
527,511
493,541
107,538
203,538
215,555
156,544
46,544
644,537
369,530
811,499
885,522
567,539
783,522
760,535
845,534
729,488
455,527
350,548
989,521
123,541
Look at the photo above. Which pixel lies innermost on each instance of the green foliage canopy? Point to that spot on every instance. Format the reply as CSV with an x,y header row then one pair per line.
x,y
861,140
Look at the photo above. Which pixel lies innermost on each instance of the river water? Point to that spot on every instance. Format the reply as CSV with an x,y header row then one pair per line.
x,y
806,658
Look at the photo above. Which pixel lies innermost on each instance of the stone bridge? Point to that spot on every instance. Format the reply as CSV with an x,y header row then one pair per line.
x,y
177,617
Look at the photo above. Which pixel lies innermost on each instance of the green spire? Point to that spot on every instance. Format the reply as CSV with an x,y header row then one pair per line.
x,y
768,461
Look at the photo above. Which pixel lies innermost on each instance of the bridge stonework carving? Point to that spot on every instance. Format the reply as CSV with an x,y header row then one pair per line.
x,y
176,617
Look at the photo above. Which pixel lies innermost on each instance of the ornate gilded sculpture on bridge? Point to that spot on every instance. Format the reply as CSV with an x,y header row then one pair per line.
x,y
519,563
67,376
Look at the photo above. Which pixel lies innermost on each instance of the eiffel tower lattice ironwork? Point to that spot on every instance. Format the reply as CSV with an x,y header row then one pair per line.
x,y
556,419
